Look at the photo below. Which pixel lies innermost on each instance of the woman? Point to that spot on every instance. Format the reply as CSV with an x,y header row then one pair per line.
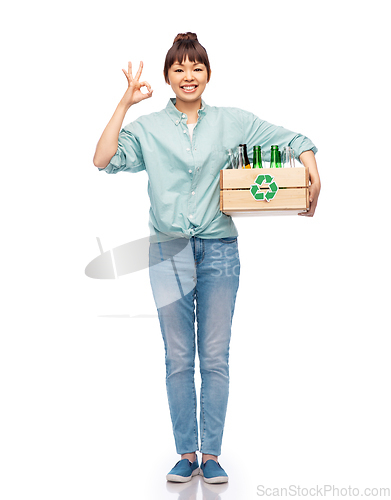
x,y
183,148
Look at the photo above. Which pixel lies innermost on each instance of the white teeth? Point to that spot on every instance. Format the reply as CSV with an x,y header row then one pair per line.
x,y
189,88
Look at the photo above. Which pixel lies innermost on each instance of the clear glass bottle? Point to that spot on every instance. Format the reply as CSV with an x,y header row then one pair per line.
x,y
288,157
240,157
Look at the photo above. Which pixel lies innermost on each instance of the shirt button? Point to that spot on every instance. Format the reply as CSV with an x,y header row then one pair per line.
x,y
177,122
191,216
184,116
187,149
193,193
184,131
190,171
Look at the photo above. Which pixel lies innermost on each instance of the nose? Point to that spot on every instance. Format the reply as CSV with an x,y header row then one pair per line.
x,y
188,76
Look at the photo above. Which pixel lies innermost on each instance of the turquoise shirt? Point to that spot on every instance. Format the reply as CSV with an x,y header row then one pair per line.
x,y
184,174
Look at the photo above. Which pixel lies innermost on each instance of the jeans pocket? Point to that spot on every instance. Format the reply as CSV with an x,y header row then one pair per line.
x,y
230,239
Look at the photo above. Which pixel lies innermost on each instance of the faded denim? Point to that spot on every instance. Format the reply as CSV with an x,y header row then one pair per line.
x,y
198,284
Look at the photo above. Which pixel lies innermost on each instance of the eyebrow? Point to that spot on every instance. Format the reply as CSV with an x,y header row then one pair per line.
x,y
180,64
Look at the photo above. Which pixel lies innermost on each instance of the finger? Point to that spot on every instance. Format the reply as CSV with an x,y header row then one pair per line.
x,y
147,96
130,75
138,74
145,84
308,213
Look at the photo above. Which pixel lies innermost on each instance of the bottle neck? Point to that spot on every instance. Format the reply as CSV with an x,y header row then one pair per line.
x,y
275,158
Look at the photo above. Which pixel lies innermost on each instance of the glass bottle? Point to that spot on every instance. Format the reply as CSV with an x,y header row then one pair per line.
x,y
288,157
240,157
231,161
246,161
275,157
257,157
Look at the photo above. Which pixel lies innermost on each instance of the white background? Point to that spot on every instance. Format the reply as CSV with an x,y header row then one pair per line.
x,y
84,411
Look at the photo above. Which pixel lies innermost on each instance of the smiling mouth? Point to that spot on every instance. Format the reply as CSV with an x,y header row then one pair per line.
x,y
189,88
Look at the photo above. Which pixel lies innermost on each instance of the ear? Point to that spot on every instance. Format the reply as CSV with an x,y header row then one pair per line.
x,y
210,75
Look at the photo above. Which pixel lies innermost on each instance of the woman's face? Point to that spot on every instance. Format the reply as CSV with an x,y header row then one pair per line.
x,y
188,80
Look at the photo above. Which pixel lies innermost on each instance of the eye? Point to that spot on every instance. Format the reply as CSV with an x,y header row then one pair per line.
x,y
178,70
198,69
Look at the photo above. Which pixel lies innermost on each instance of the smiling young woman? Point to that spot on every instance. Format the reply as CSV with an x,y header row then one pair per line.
x,y
183,148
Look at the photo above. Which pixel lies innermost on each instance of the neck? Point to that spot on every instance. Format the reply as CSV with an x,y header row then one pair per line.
x,y
189,108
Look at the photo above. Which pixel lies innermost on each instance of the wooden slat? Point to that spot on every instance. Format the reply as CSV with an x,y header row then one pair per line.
x,y
261,213
284,177
285,199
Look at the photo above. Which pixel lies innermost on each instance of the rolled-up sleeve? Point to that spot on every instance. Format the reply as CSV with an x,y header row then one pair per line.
x,y
265,134
129,157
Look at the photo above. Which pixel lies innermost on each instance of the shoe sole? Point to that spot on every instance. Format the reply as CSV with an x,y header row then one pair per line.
x,y
182,479
213,480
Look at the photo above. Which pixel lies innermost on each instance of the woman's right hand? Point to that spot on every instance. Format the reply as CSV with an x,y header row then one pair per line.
x,y
133,95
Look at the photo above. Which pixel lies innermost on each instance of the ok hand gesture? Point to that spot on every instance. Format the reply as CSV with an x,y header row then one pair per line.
x,y
133,95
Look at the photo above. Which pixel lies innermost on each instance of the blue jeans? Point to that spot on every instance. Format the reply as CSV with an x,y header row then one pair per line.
x,y
198,282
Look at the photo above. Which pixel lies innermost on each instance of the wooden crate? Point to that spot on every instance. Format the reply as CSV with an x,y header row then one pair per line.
x,y
245,191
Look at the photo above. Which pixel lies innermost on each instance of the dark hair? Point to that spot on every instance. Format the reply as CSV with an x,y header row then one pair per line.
x,y
186,45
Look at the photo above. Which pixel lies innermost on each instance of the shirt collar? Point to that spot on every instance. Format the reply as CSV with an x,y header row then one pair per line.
x,y
176,115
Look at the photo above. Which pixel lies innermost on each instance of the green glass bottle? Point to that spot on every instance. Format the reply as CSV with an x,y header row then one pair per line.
x,y
275,158
257,157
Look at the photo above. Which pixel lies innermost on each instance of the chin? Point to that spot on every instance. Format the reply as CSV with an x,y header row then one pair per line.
x,y
189,98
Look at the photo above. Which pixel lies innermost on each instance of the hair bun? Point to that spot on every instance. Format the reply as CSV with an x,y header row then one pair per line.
x,y
185,36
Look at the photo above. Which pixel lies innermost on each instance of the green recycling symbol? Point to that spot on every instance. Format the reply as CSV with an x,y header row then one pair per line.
x,y
264,195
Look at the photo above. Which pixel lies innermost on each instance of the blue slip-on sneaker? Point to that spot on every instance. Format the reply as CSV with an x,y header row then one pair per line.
x,y
213,472
183,471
